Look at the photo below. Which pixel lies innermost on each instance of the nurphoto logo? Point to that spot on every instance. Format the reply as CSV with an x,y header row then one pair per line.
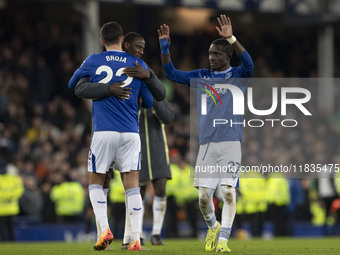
x,y
238,104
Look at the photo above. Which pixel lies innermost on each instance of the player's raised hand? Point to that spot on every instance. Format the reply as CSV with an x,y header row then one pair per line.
x,y
164,32
164,38
225,30
138,72
121,92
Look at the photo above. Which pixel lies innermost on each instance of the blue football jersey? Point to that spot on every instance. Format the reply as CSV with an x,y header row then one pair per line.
x,y
111,113
208,133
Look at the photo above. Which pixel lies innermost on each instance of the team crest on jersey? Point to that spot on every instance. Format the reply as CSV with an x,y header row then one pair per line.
x,y
228,75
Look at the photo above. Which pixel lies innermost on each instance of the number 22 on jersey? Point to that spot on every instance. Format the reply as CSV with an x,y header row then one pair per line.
x,y
109,75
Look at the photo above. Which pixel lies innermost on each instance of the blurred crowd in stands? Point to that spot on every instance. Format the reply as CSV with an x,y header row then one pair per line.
x,y
45,129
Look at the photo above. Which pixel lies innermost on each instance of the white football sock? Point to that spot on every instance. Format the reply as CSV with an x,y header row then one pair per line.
x,y
141,223
228,211
99,232
158,209
97,224
135,212
99,205
127,228
207,206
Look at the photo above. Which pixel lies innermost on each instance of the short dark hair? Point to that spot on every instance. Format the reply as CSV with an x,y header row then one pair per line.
x,y
226,47
131,36
111,33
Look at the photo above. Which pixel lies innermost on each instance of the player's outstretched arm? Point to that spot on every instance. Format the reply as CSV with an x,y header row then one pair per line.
x,y
225,30
87,90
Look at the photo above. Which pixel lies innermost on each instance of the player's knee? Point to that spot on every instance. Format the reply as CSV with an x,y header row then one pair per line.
x,y
97,178
203,202
160,192
229,194
159,186
204,198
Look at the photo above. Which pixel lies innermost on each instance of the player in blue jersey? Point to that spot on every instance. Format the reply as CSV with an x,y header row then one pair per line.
x,y
219,146
155,165
115,125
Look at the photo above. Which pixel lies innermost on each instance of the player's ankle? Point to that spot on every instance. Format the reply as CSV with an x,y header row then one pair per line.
x,y
214,226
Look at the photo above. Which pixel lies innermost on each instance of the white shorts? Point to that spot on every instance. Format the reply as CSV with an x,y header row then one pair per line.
x,y
107,147
218,163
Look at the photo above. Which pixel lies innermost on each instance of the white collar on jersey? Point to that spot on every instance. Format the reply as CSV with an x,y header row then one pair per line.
x,y
220,72
117,50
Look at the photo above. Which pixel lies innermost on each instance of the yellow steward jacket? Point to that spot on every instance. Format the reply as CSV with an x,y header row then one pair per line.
x,y
278,190
117,192
68,198
253,190
11,189
181,185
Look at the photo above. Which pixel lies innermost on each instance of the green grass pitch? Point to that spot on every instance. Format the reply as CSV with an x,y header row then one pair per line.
x,y
298,246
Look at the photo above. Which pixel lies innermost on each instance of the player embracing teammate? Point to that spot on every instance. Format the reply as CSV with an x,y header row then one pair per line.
x,y
115,125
